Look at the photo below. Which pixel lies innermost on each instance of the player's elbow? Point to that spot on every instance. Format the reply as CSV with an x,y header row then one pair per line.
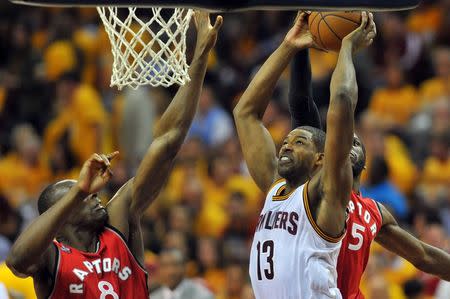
x,y
15,264
239,111
345,95
425,264
244,110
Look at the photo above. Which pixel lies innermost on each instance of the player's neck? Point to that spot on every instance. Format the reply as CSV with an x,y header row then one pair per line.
x,y
294,183
82,239
356,184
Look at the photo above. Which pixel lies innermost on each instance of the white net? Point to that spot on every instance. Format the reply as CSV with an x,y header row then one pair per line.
x,y
148,45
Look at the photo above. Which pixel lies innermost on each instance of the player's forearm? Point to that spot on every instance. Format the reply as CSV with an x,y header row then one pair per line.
x,y
344,96
302,107
181,110
170,134
37,237
436,262
255,99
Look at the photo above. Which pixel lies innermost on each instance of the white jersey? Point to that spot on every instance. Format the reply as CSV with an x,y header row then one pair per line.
x,y
291,258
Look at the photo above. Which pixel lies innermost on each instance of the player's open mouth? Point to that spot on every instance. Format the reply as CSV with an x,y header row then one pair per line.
x,y
285,159
99,207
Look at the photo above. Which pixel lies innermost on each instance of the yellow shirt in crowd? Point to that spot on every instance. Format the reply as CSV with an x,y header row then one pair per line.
x,y
433,89
395,105
15,285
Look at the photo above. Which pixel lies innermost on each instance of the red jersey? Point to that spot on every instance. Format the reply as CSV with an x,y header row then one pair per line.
x,y
112,272
364,220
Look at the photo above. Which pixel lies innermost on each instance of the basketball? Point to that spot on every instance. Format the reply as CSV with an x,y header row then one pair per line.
x,y
329,28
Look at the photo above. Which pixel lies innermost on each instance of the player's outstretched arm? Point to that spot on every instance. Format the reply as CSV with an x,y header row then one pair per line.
x,y
423,256
336,176
170,132
32,251
302,107
256,142
174,124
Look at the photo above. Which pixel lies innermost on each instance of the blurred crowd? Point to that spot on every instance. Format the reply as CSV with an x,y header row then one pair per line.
x,y
57,108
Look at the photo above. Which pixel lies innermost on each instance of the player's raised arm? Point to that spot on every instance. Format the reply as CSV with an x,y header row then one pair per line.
x,y
174,124
424,257
302,107
256,142
336,176
32,251
169,134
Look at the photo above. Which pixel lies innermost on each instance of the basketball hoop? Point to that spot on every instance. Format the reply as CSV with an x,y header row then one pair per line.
x,y
148,47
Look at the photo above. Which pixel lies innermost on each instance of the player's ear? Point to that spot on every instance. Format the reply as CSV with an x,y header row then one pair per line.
x,y
319,159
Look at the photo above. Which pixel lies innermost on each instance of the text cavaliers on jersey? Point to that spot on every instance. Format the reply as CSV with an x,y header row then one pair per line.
x,y
290,256
110,272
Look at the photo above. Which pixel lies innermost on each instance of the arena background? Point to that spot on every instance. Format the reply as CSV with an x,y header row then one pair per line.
x,y
56,108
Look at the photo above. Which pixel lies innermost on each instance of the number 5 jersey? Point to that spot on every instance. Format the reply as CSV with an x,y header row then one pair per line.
x,y
291,258
111,272
363,223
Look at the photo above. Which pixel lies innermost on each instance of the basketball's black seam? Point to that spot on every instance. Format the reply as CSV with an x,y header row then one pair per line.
x,y
318,31
345,18
312,21
331,29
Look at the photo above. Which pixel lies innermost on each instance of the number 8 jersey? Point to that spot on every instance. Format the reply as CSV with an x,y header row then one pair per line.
x,y
291,258
112,272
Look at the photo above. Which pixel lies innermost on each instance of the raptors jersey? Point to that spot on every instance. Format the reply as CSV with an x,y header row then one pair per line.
x,y
363,223
111,272
291,258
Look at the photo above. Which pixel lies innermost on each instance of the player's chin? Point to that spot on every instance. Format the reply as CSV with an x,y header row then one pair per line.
x,y
101,217
285,171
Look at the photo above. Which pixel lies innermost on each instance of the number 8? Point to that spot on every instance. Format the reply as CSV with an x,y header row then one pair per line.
x,y
107,289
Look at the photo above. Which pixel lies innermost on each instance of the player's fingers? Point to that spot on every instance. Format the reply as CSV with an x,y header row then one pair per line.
x,y
369,20
370,23
218,23
373,27
107,174
112,155
303,17
364,19
297,17
105,160
371,35
96,158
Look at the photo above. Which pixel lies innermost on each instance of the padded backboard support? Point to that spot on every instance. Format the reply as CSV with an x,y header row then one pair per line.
x,y
239,5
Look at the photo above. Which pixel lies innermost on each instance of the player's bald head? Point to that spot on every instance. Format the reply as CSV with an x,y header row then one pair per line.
x,y
52,193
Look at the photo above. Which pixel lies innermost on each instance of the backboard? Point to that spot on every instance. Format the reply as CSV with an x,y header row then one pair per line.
x,y
239,5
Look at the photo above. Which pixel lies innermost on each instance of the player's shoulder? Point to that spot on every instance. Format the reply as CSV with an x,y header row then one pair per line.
x,y
370,204
358,197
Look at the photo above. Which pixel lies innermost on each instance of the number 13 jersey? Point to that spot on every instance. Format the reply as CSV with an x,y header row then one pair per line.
x,y
111,272
291,258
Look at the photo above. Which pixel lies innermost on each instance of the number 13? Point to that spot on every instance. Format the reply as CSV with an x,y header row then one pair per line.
x,y
267,247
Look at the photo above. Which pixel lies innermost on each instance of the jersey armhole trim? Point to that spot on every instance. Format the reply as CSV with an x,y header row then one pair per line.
x,y
318,230
379,210
55,270
122,238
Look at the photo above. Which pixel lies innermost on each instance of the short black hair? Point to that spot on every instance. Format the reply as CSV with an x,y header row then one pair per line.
x,y
52,193
318,137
